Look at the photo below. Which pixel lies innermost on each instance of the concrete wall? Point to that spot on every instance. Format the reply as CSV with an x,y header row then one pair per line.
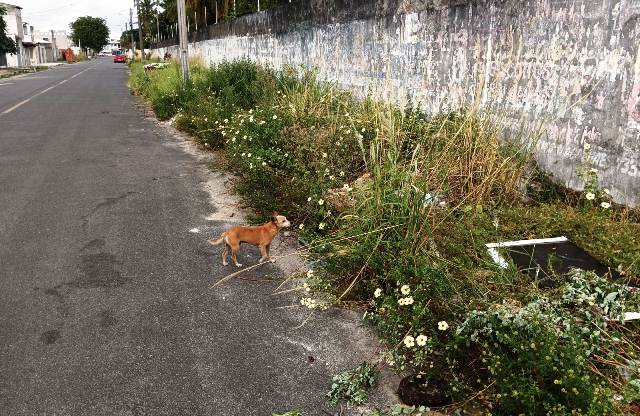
x,y
572,66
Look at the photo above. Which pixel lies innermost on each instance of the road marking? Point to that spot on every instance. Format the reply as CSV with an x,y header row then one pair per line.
x,y
23,102
6,83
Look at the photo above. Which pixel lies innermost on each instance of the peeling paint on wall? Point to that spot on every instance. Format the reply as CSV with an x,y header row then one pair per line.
x,y
571,65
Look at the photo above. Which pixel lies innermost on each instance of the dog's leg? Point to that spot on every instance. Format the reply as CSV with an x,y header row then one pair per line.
x,y
268,255
225,252
264,251
234,254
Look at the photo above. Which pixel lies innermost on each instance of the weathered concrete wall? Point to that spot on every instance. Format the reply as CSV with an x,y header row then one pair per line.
x,y
572,66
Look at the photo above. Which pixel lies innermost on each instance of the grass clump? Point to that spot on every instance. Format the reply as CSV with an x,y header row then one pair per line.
x,y
398,206
352,386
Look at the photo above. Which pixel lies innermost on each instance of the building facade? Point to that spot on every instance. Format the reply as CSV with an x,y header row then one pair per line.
x,y
13,18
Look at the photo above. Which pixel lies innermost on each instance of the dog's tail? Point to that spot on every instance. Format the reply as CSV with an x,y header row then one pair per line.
x,y
218,241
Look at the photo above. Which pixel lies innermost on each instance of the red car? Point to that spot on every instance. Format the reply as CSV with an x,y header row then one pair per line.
x,y
119,58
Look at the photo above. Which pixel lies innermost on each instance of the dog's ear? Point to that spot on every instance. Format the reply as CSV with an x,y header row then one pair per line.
x,y
274,216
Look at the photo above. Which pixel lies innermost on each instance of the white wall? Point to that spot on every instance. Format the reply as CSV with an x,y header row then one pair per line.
x,y
571,66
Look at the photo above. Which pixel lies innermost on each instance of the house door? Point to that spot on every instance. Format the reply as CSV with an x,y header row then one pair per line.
x,y
3,60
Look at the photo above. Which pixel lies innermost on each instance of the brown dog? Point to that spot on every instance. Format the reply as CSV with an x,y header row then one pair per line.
x,y
260,236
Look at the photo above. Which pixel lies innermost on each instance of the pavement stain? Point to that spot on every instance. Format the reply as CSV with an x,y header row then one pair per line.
x,y
99,270
53,291
50,337
107,202
95,244
107,318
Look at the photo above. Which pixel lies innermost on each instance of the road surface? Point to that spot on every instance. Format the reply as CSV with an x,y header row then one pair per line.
x,y
105,306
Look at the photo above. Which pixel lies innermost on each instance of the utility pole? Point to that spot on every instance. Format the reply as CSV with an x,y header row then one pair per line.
x,y
157,26
137,3
184,45
133,44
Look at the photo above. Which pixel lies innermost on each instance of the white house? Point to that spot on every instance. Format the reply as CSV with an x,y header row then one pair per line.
x,y
113,45
37,50
13,18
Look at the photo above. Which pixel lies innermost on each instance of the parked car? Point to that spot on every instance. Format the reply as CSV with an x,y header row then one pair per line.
x,y
119,58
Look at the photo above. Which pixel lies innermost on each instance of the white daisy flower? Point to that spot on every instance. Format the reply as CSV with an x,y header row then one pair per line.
x,y
605,205
320,201
322,226
606,191
341,173
443,325
409,341
405,289
309,199
590,196
408,300
421,340
301,226
275,117
377,293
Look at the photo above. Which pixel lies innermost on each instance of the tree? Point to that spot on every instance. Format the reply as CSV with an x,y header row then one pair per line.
x,y
125,38
90,32
7,45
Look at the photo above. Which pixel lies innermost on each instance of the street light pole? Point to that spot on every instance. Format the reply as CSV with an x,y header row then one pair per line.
x,y
184,45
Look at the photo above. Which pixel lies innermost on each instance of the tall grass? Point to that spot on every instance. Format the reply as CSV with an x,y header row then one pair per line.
x,y
392,198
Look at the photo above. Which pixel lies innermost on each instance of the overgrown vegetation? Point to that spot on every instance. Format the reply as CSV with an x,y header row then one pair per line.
x,y
397,207
352,386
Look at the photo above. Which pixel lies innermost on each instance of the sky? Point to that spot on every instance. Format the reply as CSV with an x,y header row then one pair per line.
x,y
57,14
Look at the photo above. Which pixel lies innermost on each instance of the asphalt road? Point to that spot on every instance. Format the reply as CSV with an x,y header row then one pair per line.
x,y
105,306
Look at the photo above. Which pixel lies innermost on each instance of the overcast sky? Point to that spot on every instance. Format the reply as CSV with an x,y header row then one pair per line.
x,y
57,14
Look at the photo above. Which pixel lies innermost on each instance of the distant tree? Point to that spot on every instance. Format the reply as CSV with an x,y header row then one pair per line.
x,y
125,38
7,45
90,32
